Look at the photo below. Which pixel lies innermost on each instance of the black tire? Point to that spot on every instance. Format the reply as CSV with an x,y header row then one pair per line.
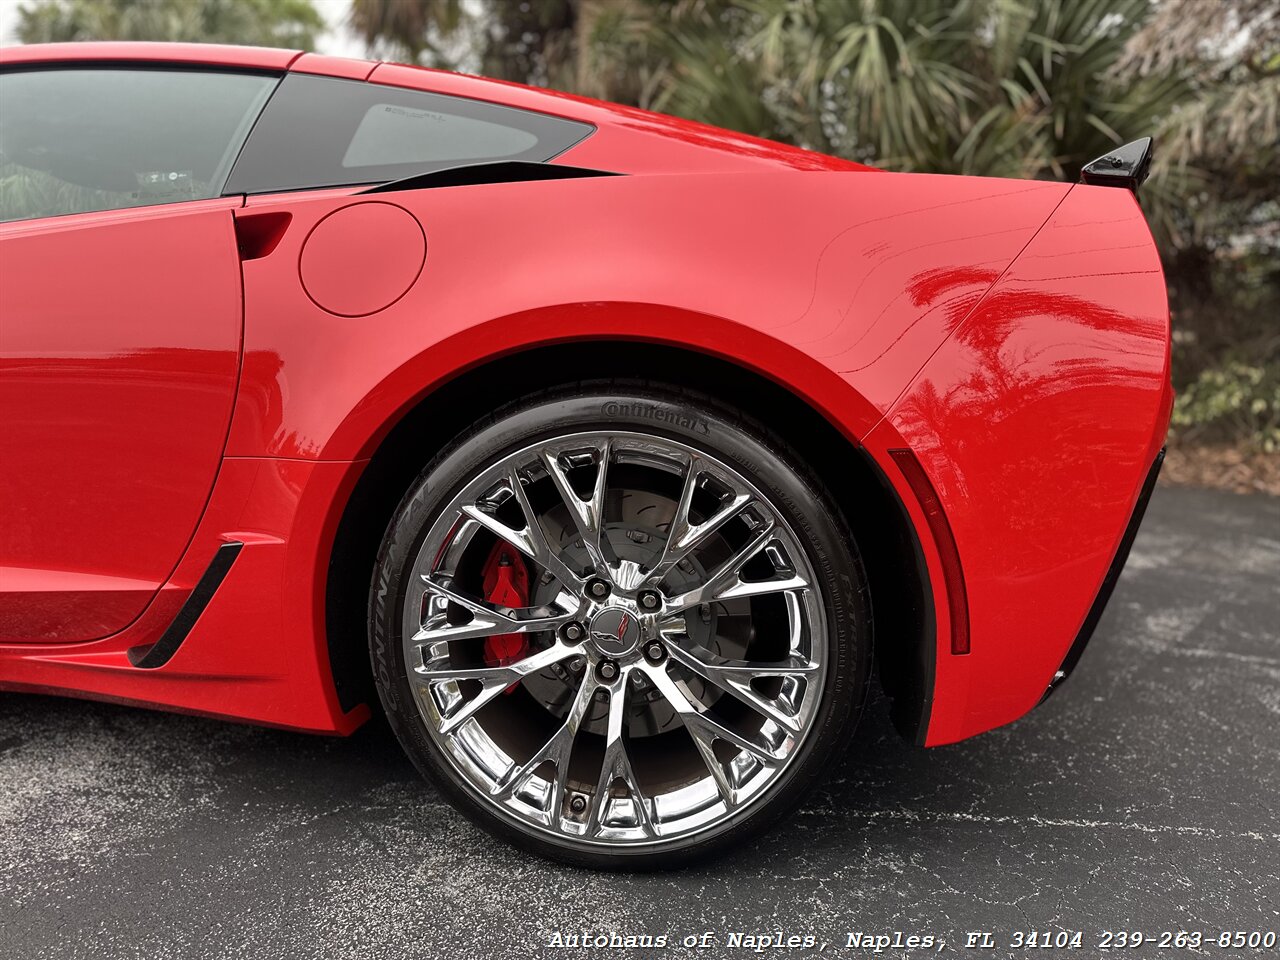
x,y
697,421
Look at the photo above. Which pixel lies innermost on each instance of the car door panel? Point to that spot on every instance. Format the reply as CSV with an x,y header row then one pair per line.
x,y
120,341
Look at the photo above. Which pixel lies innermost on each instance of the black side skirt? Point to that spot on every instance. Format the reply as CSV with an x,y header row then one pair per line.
x,y
1109,582
150,656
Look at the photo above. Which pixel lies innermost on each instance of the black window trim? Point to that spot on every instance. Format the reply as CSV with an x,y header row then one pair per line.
x,y
484,172
588,130
169,66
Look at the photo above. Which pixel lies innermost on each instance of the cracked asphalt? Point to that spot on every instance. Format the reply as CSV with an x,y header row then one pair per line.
x,y
1144,796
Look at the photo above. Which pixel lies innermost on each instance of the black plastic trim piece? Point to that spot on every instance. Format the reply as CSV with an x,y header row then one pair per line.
x,y
306,131
911,706
1126,166
168,66
475,174
1109,581
150,656
945,541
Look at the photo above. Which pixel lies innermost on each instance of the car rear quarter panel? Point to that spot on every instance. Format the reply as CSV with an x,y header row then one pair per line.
x,y
839,285
1037,422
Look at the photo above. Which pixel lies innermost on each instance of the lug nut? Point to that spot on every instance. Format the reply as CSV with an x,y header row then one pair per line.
x,y
573,632
576,664
655,652
607,669
577,803
598,589
650,600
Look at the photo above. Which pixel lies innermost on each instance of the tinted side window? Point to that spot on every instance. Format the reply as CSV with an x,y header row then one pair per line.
x,y
74,140
322,132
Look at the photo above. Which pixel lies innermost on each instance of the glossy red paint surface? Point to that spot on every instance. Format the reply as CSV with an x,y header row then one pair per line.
x,y
203,54
835,295
257,653
1037,422
341,67
116,391
1012,335
387,268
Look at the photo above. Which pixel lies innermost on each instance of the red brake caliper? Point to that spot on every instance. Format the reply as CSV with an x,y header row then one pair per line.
x,y
506,584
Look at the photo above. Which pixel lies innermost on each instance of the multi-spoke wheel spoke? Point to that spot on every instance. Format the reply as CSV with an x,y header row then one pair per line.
x,y
634,689
736,676
530,539
493,680
486,620
617,766
587,515
684,536
557,751
702,725
726,581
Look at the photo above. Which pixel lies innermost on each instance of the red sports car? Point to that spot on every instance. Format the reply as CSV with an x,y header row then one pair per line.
x,y
591,446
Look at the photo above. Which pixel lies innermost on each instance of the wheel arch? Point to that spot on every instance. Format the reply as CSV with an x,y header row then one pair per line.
x,y
901,595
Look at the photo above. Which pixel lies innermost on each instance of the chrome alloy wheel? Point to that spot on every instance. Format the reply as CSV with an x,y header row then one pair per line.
x,y
671,650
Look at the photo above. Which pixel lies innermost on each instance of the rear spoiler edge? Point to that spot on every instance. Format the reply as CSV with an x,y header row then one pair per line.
x,y
1126,166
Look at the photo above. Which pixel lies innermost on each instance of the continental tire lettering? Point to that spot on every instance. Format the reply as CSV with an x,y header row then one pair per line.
x,y
613,410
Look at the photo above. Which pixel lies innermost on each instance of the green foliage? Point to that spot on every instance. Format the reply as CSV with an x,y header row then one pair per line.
x,y
407,30
978,87
1237,400
270,23
1226,342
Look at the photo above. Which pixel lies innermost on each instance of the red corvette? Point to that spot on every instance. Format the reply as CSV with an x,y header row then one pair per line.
x,y
590,445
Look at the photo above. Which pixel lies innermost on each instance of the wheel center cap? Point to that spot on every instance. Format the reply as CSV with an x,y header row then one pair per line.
x,y
615,631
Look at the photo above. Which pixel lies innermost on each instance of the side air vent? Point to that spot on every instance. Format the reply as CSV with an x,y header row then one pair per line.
x,y
474,174
150,656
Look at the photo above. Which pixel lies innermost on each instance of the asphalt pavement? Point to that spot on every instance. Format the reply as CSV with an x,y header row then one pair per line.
x,y
1144,797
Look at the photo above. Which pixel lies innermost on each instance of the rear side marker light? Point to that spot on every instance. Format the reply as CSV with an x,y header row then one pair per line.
x,y
953,575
